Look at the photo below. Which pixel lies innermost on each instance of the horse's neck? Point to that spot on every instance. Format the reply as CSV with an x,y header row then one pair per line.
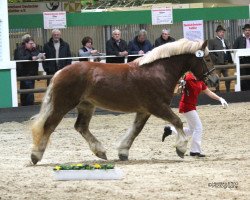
x,y
176,66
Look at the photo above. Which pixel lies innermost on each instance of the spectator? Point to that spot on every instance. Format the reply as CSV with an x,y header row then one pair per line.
x,y
222,57
27,51
20,46
116,46
87,49
243,42
164,38
56,48
139,45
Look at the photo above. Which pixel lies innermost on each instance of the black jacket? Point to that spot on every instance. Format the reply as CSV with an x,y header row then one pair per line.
x,y
113,49
26,68
50,52
160,41
240,43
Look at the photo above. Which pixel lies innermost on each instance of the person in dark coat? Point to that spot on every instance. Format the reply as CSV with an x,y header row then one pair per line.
x,y
20,46
27,51
164,38
222,57
56,48
139,45
116,46
243,42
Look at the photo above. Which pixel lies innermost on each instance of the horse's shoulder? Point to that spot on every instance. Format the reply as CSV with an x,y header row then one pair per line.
x,y
132,64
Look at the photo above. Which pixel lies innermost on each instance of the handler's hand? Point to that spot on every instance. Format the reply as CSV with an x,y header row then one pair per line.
x,y
223,102
182,84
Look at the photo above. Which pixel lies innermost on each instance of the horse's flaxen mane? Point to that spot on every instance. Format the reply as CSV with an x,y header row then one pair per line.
x,y
182,46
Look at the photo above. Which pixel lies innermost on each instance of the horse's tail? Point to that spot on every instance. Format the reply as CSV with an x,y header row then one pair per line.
x,y
40,119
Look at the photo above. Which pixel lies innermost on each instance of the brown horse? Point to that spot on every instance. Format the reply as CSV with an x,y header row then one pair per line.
x,y
145,87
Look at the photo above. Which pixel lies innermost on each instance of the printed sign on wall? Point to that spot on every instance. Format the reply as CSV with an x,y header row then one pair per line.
x,y
162,16
34,7
54,20
193,30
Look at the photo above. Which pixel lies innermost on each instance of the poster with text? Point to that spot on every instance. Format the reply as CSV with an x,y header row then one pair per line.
x,y
54,20
162,16
193,30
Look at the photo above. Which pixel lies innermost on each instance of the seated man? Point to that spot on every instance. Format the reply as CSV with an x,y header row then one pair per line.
x,y
139,45
164,38
116,46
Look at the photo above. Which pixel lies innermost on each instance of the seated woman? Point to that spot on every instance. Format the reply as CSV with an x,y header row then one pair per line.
x,y
87,49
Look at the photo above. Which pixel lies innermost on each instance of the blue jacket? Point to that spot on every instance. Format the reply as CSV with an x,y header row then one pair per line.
x,y
134,46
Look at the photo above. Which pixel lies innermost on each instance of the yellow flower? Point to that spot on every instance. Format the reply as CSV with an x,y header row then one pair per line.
x,y
58,167
79,165
97,166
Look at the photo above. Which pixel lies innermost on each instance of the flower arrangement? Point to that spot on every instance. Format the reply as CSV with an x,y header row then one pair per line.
x,y
84,167
87,172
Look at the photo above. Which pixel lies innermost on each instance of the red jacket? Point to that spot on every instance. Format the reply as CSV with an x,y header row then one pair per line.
x,y
190,93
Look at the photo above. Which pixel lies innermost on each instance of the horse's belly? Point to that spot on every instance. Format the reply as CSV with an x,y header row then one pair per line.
x,y
119,105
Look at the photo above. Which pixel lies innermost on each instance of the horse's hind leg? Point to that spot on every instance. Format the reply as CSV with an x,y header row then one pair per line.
x,y
85,112
41,133
127,140
55,105
167,114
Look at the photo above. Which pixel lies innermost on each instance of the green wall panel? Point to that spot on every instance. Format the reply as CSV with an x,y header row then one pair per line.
x,y
109,18
26,21
5,89
132,17
207,14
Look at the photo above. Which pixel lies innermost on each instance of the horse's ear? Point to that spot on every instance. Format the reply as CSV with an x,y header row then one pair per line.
x,y
204,45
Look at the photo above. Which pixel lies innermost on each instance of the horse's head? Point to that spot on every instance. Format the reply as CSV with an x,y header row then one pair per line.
x,y
203,67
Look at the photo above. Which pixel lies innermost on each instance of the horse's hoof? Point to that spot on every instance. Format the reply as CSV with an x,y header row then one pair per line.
x,y
102,156
123,157
179,153
34,159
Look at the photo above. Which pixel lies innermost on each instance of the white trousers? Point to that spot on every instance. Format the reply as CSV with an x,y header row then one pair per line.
x,y
194,129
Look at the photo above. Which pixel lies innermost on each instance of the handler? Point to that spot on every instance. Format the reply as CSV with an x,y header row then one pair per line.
x,y
191,88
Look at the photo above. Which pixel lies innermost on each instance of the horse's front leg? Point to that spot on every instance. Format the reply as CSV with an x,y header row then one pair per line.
x,y
127,140
165,112
85,112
